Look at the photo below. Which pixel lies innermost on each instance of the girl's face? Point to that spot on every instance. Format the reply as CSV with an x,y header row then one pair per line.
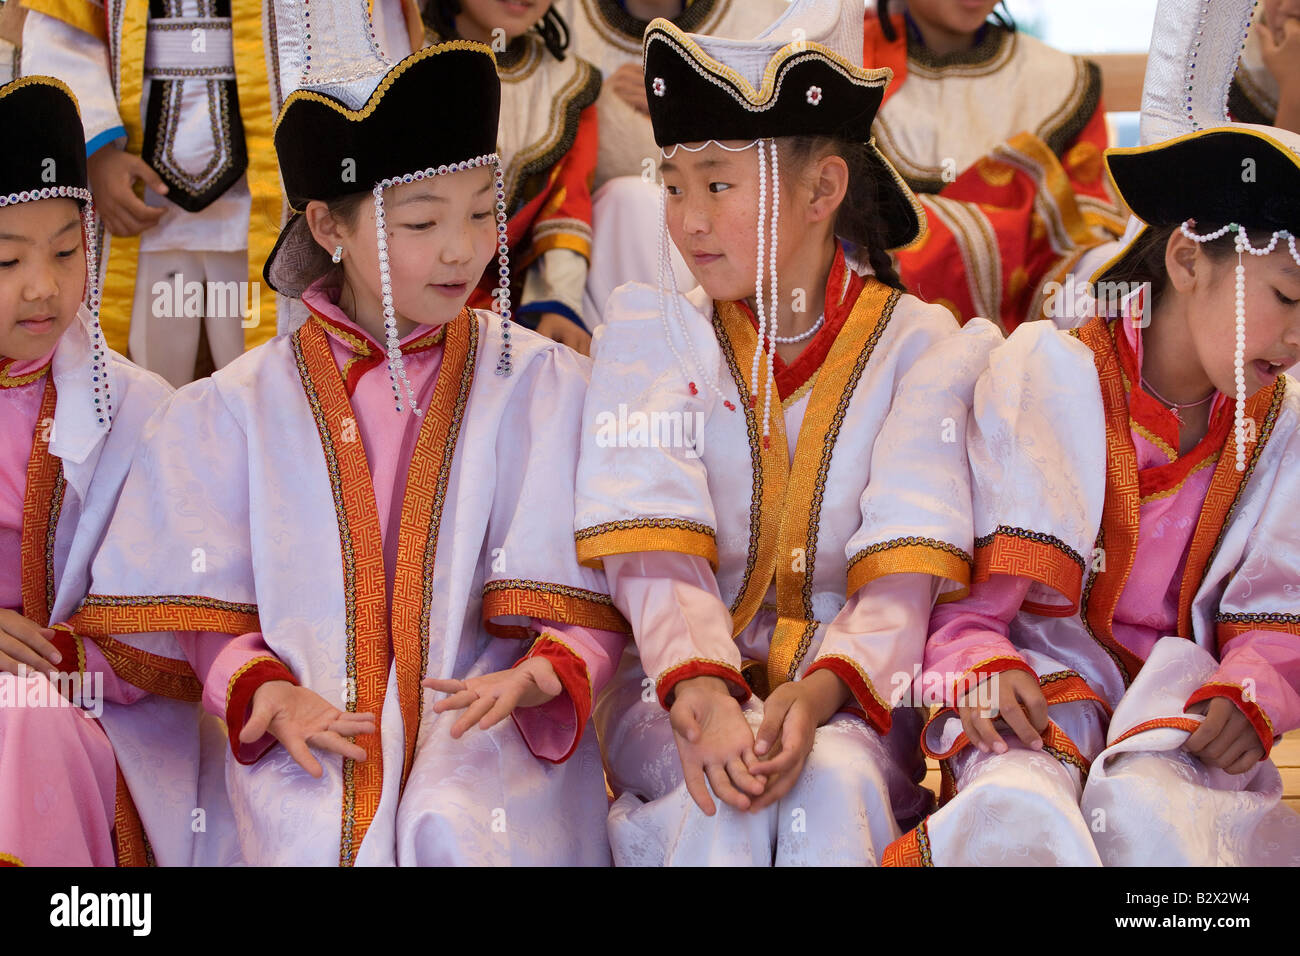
x,y
952,16
478,18
442,233
712,215
1272,317
42,275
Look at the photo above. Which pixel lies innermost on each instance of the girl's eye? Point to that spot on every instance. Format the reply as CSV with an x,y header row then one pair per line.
x,y
69,253
480,216
718,187
673,190
420,226
8,263
1284,299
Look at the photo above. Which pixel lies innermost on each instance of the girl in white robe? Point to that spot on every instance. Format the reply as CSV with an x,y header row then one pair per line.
x,y
1132,623
325,558
783,540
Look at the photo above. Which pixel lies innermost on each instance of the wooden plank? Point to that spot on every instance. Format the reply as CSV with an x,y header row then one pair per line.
x,y
1290,781
1286,752
932,781
1121,79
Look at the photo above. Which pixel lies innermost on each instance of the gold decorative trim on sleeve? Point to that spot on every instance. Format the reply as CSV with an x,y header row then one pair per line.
x,y
909,555
646,534
243,669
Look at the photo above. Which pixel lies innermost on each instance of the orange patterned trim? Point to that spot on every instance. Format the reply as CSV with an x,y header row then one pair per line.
x,y
42,503
1226,486
699,667
103,614
1119,518
1231,626
8,859
164,676
1256,714
646,534
1040,557
911,849
910,554
1178,723
550,602
800,515
417,536
129,839
874,708
364,584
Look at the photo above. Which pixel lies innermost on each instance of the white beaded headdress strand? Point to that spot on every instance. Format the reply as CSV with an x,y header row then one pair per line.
x,y
500,296
101,393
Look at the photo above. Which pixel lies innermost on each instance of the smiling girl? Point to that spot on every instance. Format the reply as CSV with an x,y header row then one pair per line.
x,y
778,532
1135,573
379,502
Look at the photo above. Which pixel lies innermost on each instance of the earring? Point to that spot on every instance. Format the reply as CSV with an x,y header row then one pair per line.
x,y
338,254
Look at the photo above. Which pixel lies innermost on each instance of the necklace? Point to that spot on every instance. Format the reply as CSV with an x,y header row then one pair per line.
x,y
1175,407
802,336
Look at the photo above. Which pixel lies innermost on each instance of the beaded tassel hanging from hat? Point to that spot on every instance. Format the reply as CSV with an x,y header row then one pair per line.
x,y
501,295
765,306
1242,243
101,395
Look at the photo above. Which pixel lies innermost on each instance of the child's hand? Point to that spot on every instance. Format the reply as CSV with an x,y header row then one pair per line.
x,y
557,328
113,173
299,717
1225,738
791,715
25,645
491,697
1020,704
628,84
1280,51
715,744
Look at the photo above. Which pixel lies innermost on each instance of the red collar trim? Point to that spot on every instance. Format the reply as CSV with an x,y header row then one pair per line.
x,y
843,287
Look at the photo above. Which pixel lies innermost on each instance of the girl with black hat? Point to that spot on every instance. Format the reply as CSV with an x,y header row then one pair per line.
x,y
746,468
1134,601
382,500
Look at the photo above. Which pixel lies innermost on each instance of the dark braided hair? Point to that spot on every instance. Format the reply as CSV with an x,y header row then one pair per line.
x,y
441,15
858,219
887,27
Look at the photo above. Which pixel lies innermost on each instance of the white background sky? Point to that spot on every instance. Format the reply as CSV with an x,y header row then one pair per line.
x,y
1088,26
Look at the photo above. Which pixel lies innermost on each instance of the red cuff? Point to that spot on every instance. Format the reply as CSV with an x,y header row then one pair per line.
x,y
1254,713
870,706
699,667
571,669
239,701
68,644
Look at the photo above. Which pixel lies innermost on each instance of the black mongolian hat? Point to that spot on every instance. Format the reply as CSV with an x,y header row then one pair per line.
x,y
435,110
45,152
799,78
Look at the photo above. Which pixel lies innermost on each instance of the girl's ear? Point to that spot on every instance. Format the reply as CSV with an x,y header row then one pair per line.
x,y
830,184
325,229
1181,255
